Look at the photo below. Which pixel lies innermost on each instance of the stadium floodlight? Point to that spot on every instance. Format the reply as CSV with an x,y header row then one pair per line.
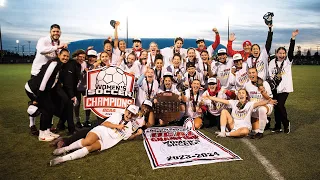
x,y
2,3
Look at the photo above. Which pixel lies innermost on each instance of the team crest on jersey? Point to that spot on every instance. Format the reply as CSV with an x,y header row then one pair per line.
x,y
109,90
240,114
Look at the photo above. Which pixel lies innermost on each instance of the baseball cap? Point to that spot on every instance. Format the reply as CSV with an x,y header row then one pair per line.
x,y
167,74
92,53
222,51
212,81
237,57
133,108
247,42
199,39
136,39
190,64
147,102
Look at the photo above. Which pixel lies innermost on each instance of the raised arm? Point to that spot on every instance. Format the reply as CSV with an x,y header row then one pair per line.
x,y
264,102
292,44
230,51
116,39
269,39
217,41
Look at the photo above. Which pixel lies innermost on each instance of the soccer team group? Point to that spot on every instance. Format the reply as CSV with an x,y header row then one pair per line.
x,y
236,91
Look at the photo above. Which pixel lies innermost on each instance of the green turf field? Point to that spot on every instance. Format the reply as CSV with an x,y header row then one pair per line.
x,y
295,156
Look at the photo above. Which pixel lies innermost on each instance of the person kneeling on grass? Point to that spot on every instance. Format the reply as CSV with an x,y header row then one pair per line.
x,y
239,122
116,128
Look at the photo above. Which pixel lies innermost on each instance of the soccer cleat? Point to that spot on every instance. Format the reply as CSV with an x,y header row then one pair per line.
x,y
221,134
59,151
56,161
288,129
276,130
79,125
34,131
45,137
87,124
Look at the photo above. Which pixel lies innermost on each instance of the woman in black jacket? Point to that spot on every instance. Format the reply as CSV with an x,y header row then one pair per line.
x,y
41,88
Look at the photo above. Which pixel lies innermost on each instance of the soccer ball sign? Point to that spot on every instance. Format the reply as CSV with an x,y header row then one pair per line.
x,y
112,77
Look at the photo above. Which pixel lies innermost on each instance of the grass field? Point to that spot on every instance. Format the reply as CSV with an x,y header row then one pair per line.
x,y
295,156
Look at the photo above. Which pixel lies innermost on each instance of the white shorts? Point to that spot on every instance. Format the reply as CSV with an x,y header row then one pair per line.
x,y
255,112
237,125
105,140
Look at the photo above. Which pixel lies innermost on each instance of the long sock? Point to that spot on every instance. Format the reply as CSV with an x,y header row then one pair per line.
x,y
263,118
223,129
80,153
32,121
75,145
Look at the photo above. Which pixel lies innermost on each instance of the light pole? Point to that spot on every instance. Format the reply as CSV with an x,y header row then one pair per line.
x,y
29,47
127,32
17,41
228,28
22,48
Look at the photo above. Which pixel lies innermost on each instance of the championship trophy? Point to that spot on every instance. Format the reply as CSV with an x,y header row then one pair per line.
x,y
268,18
168,106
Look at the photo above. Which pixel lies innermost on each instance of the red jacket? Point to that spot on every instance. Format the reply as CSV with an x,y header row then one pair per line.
x,y
232,52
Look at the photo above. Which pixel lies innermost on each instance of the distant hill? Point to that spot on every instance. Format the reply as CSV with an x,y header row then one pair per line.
x,y
162,43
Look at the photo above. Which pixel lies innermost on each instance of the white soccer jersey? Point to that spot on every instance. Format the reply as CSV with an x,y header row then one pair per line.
x,y
46,50
189,104
151,59
147,93
286,85
254,93
168,53
215,108
261,64
197,75
133,69
237,81
222,70
108,137
241,117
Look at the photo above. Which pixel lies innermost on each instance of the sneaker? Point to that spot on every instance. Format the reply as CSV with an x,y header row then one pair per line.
x,y
276,130
52,134
34,131
87,124
45,137
56,161
79,125
287,130
59,151
257,136
221,134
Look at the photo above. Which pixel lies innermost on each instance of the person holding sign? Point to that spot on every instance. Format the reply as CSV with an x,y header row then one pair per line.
x,y
116,128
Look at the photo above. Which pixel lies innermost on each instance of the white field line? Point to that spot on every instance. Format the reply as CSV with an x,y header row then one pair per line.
x,y
271,170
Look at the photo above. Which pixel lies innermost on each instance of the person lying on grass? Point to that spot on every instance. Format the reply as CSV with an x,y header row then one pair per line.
x,y
116,128
239,121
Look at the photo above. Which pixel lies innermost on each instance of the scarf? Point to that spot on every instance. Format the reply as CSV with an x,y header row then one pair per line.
x,y
218,87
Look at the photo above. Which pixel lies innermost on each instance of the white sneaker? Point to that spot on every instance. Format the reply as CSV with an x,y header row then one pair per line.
x,y
221,134
52,134
45,137
56,161
59,151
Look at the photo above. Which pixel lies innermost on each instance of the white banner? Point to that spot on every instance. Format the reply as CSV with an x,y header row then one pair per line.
x,y
177,146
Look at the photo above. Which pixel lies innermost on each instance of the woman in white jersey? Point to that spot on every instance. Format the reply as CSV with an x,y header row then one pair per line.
x,y
259,90
178,70
281,67
116,128
239,121
239,74
259,57
222,68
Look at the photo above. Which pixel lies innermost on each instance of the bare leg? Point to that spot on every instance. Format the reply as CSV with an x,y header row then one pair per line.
x,y
241,132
